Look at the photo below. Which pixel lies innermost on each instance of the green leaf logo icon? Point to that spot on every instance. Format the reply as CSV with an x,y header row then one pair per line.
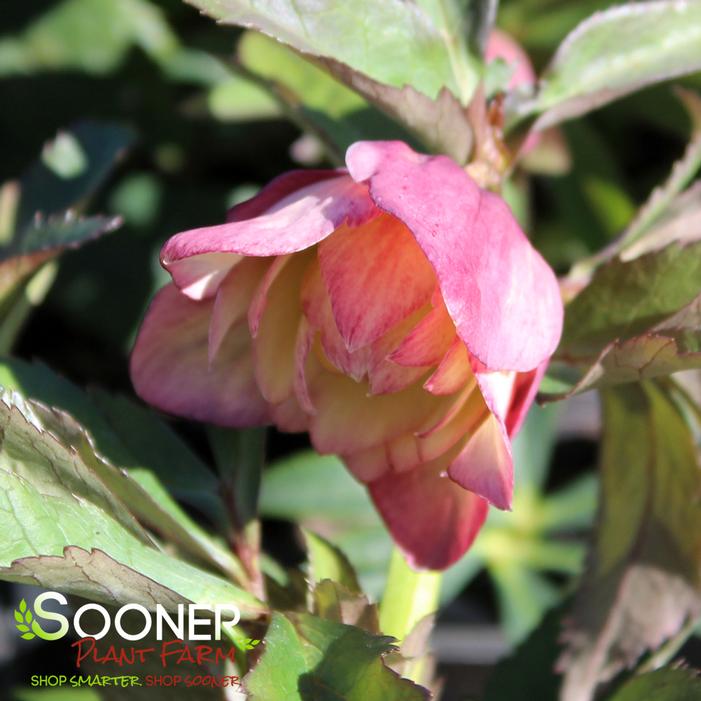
x,y
23,619
27,625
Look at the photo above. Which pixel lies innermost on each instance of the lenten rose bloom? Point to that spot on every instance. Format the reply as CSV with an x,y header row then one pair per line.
x,y
393,309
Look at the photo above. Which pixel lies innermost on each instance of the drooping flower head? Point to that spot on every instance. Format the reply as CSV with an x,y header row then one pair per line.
x,y
393,309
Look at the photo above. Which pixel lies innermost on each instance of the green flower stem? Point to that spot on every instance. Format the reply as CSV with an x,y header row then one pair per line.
x,y
409,596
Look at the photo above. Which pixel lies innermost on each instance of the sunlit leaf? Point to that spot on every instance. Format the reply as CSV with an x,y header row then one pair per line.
x,y
615,52
99,551
392,52
119,435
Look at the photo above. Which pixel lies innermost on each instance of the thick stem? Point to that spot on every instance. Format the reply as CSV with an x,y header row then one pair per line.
x,y
409,596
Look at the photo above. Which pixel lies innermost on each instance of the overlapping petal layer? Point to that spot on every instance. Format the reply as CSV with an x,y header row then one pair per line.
x,y
395,312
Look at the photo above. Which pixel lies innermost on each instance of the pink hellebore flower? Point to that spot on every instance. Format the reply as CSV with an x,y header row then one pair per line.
x,y
394,310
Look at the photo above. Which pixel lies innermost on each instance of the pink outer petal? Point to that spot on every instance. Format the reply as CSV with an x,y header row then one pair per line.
x,y
502,296
431,518
170,366
199,276
525,390
276,190
296,222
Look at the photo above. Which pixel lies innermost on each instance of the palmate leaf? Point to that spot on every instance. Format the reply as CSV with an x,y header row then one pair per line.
x,y
637,317
64,529
644,579
615,52
668,201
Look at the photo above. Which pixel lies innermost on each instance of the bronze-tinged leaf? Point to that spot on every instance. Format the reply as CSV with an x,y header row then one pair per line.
x,y
643,580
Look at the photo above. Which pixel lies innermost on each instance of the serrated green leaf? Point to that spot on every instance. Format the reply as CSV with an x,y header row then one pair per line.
x,y
128,435
644,578
667,199
141,445
615,52
64,529
310,658
334,602
43,224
